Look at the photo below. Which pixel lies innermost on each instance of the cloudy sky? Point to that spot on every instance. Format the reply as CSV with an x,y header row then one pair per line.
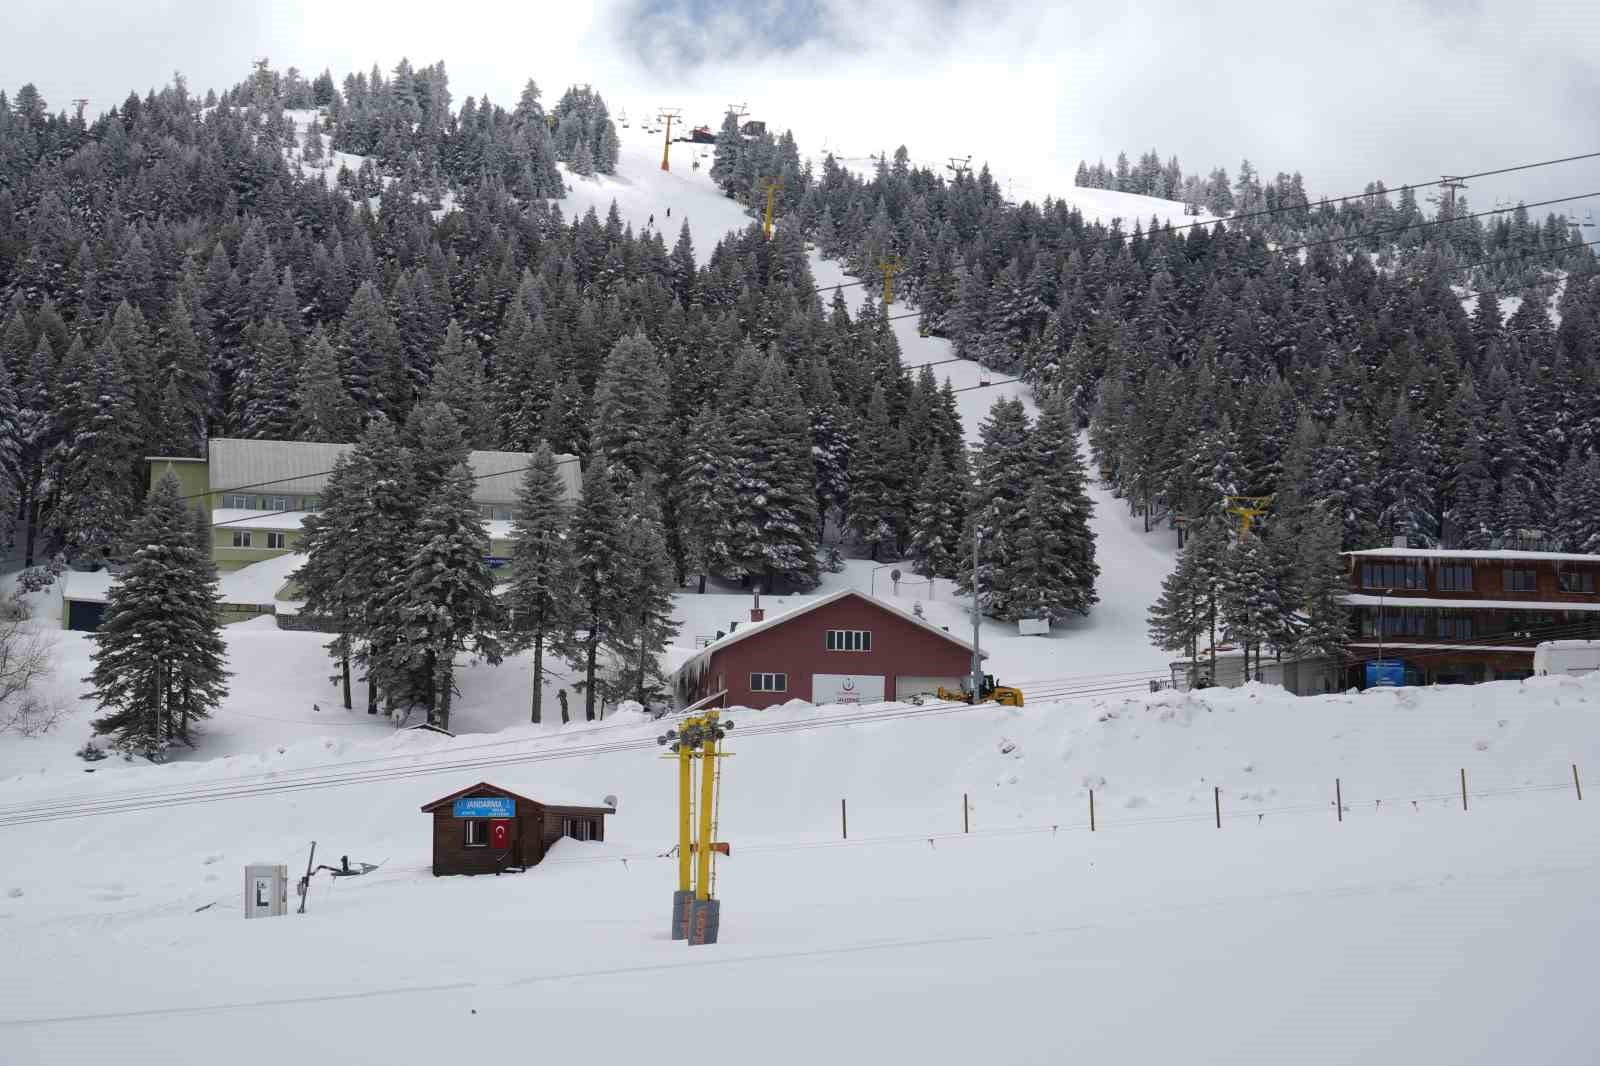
x,y
1344,92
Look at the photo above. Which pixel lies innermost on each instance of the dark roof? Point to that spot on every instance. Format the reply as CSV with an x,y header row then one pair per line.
x,y
484,786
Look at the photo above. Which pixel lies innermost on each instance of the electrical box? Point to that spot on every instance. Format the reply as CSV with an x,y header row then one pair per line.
x,y
266,891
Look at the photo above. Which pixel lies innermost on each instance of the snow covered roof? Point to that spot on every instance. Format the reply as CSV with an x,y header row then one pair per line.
x,y
1568,643
274,520
302,467
1405,645
484,786
750,630
87,587
259,582
1481,556
1361,599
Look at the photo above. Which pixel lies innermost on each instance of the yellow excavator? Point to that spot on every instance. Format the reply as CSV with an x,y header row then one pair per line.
x,y
1007,695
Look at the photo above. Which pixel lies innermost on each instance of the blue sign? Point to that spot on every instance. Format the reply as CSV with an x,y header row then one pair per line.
x,y
486,807
1386,673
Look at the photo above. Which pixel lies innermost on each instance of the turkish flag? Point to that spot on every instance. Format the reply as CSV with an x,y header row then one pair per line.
x,y
500,833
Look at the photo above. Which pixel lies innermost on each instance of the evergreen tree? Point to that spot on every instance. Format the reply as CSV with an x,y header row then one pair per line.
x,y
705,499
937,519
96,479
323,411
264,399
536,598
1252,607
1066,510
1190,603
447,602
458,383
596,542
644,624
1000,490
159,658
875,513
631,408
1323,585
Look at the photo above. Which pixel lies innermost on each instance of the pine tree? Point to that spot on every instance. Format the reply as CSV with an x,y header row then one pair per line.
x,y
1190,603
1323,586
705,498
595,539
159,658
323,411
536,598
630,408
446,603
264,399
1060,474
374,377
1000,489
1252,608
875,513
96,495
937,519
644,624
458,383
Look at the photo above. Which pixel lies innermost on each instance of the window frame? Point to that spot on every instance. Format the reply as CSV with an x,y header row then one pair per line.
x,y
467,832
1449,572
851,640
1583,578
281,539
1398,576
241,538
769,681
1509,576
237,503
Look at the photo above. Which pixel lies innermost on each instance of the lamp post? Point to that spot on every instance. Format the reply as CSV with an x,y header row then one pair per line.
x,y
1381,594
977,656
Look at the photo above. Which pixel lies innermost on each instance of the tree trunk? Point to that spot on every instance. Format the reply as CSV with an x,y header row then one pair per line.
x,y
372,691
643,645
430,669
588,683
702,583
31,517
1213,617
344,673
538,675
447,685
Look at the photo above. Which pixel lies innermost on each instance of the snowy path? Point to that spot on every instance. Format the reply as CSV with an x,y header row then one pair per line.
x,y
1132,563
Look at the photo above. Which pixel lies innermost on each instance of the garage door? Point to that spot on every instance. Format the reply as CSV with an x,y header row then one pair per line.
x,y
82,615
906,687
846,688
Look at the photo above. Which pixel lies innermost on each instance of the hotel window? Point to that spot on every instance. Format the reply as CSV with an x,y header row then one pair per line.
x,y
1393,576
1519,581
1455,626
1455,577
849,640
241,538
769,682
1577,581
275,503
241,503
277,540
310,503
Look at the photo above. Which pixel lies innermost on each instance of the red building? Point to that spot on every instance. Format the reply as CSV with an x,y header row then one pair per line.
x,y
1456,616
841,648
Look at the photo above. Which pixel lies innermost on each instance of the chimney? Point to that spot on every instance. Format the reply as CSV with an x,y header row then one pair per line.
x,y
1400,541
756,613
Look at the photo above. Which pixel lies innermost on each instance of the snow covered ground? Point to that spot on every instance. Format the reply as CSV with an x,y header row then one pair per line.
x,y
1408,932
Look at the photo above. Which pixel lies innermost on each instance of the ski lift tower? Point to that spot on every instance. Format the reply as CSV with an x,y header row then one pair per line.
x,y
1248,508
958,166
667,115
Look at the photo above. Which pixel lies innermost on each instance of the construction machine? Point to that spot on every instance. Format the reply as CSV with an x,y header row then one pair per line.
x,y
1008,695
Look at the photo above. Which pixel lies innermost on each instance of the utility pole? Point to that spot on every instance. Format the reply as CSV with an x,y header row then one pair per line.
x,y
890,265
667,115
977,616
771,185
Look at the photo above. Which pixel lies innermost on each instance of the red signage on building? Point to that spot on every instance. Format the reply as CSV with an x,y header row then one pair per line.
x,y
500,833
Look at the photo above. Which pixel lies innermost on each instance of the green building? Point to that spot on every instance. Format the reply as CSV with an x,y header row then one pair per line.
x,y
258,492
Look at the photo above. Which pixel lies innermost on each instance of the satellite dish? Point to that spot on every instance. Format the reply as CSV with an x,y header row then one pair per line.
x,y
894,575
611,801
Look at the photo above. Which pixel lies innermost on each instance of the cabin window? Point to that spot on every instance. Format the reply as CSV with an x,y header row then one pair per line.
x,y
1455,577
1393,576
477,830
1574,581
241,538
277,540
848,640
578,828
1519,581
769,682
